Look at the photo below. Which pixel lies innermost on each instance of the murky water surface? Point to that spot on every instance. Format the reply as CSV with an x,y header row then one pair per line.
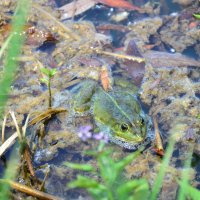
x,y
165,34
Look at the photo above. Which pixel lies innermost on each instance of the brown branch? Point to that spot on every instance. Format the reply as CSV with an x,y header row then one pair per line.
x,y
29,191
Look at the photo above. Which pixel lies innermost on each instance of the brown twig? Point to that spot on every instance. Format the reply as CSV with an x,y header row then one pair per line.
x,y
120,56
29,191
49,16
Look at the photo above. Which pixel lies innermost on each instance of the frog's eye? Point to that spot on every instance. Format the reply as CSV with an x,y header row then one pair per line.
x,y
124,127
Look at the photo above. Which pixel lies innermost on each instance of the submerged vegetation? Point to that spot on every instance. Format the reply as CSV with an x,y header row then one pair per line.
x,y
55,144
112,184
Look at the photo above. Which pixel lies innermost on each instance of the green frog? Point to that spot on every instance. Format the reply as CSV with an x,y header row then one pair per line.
x,y
116,112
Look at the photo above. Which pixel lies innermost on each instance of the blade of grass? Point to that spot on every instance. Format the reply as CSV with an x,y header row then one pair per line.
x,y
158,182
9,175
191,192
3,129
8,143
14,44
185,177
16,125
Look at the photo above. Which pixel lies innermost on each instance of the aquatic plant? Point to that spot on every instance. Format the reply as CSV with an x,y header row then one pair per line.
x,y
163,168
185,176
197,16
49,73
112,185
9,174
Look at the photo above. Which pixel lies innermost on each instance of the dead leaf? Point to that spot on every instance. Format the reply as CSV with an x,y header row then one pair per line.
x,y
135,69
75,8
164,59
158,141
106,78
119,4
46,115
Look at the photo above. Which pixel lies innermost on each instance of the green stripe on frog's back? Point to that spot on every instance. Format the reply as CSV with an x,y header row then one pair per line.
x,y
108,112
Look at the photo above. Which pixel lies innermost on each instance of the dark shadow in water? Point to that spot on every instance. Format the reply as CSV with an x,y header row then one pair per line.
x,y
190,52
47,46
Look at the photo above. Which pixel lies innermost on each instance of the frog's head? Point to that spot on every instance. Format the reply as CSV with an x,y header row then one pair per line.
x,y
131,132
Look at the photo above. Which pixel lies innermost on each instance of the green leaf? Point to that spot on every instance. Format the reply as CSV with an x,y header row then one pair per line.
x,y
107,167
185,176
127,160
197,16
45,71
9,174
84,167
13,46
198,116
84,182
190,192
135,189
44,80
163,168
97,190
52,72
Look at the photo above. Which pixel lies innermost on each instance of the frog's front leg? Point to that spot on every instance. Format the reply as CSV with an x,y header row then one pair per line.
x,y
82,98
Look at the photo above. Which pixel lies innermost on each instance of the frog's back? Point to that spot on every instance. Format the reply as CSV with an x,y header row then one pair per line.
x,y
115,106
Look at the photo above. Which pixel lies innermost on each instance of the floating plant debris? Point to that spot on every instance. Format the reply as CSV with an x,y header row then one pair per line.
x,y
110,45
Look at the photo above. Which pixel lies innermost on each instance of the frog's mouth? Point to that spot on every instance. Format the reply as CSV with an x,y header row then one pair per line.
x,y
133,140
128,144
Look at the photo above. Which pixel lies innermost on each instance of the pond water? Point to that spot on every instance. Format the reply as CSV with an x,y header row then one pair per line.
x,y
98,44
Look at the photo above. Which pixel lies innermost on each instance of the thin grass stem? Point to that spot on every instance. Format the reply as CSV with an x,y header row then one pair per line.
x,y
25,126
3,129
16,125
13,44
163,168
185,176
